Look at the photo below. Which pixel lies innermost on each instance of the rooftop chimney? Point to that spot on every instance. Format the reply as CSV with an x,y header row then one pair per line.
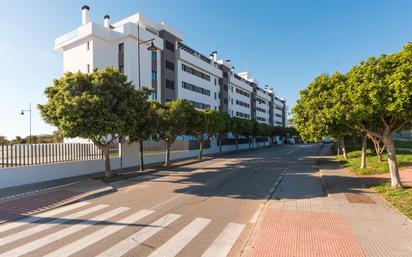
x,y
85,14
213,56
107,21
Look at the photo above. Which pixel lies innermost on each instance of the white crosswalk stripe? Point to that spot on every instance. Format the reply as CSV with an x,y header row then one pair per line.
x,y
181,239
100,234
36,244
49,224
35,218
225,241
139,237
220,247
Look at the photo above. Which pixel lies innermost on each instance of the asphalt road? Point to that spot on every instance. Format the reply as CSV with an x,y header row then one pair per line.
x,y
204,209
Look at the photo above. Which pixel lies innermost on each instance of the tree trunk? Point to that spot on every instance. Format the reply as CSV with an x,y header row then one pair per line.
x,y
363,155
220,138
338,146
237,143
167,158
201,143
141,156
257,142
342,143
393,167
248,139
106,154
376,145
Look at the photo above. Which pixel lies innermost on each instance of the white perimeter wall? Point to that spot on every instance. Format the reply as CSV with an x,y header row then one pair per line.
x,y
17,176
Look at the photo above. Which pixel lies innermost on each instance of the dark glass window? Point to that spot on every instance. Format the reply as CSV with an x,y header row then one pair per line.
x,y
154,55
169,46
170,84
154,75
170,65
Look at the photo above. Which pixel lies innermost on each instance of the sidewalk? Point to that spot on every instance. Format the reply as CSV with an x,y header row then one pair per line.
x,y
23,203
348,220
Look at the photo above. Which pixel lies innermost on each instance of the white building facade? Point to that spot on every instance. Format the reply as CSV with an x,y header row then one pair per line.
x,y
171,69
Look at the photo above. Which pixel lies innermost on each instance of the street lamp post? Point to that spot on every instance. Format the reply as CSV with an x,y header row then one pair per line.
x,y
29,111
152,47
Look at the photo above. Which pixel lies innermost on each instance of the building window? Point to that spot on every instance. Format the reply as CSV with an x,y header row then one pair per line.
x,y
225,87
232,113
121,47
215,96
198,105
154,95
260,109
215,81
260,119
121,68
238,102
170,84
231,100
195,72
169,46
154,75
242,115
154,55
88,46
88,68
195,88
225,101
225,74
170,65
241,92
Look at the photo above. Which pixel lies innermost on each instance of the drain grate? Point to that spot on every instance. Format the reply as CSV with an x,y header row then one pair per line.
x,y
358,198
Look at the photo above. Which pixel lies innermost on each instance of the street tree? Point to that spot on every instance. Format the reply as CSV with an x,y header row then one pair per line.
x,y
223,127
96,106
173,121
143,126
380,93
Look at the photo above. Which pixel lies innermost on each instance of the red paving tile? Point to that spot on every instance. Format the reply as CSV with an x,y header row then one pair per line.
x,y
406,176
305,234
13,209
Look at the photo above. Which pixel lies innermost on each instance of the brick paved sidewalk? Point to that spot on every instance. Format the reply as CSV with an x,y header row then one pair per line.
x,y
349,220
16,206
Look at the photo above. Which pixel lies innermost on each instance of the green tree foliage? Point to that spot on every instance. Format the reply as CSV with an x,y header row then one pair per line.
x,y
97,106
4,140
173,121
373,99
143,126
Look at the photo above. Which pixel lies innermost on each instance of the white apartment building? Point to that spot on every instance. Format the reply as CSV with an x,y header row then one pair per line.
x,y
153,55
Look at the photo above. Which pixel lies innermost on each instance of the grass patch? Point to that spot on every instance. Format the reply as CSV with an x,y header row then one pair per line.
x,y
401,199
373,166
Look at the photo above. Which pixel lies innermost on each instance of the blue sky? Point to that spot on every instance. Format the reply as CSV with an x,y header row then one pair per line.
x,y
282,43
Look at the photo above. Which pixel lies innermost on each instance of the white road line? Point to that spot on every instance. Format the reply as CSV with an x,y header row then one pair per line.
x,y
225,241
139,237
100,234
256,215
39,190
35,218
181,239
36,244
294,150
48,224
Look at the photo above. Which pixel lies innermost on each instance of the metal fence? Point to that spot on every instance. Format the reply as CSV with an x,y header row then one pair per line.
x,y
35,154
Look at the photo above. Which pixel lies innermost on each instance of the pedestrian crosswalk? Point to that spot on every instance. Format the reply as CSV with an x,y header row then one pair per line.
x,y
69,230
